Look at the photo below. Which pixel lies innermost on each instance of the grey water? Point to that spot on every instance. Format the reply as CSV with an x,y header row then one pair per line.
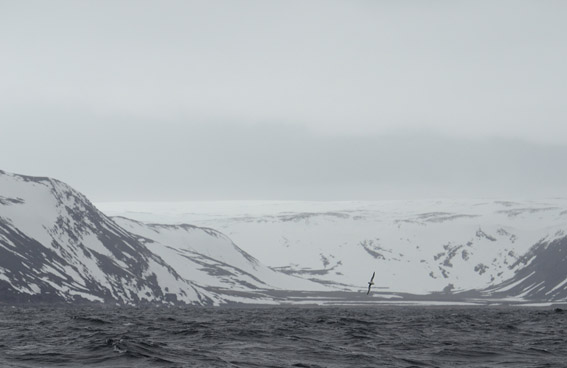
x,y
283,337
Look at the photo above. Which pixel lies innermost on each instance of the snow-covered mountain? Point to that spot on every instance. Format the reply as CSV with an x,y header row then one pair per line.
x,y
415,247
206,255
56,246
540,274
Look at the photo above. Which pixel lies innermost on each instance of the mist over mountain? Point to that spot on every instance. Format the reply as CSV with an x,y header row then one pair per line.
x,y
180,160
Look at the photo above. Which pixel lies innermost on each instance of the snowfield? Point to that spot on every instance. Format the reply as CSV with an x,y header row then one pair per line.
x,y
418,246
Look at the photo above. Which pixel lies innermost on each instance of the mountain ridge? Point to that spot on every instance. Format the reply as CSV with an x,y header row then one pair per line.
x,y
57,246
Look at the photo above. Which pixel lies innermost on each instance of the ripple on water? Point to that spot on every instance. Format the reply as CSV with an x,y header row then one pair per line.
x,y
282,337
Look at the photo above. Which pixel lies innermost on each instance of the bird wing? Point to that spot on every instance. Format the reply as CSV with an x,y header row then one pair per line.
x,y
368,292
373,273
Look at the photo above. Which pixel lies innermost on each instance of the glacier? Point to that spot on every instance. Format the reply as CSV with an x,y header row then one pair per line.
x,y
415,246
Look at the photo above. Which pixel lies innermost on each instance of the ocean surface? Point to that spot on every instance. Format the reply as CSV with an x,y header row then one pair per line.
x,y
283,337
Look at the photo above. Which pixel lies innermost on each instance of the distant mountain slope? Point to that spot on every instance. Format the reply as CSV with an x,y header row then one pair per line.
x,y
56,246
211,257
541,275
417,247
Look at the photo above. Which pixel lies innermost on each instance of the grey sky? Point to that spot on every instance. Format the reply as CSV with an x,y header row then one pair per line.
x,y
286,99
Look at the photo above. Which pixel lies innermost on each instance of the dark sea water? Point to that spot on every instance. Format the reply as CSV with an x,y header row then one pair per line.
x,y
283,337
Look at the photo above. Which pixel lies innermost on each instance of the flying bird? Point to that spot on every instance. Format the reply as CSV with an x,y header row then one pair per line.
x,y
370,283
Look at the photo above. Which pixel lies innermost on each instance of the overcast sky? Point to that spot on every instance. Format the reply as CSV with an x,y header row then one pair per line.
x,y
322,100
